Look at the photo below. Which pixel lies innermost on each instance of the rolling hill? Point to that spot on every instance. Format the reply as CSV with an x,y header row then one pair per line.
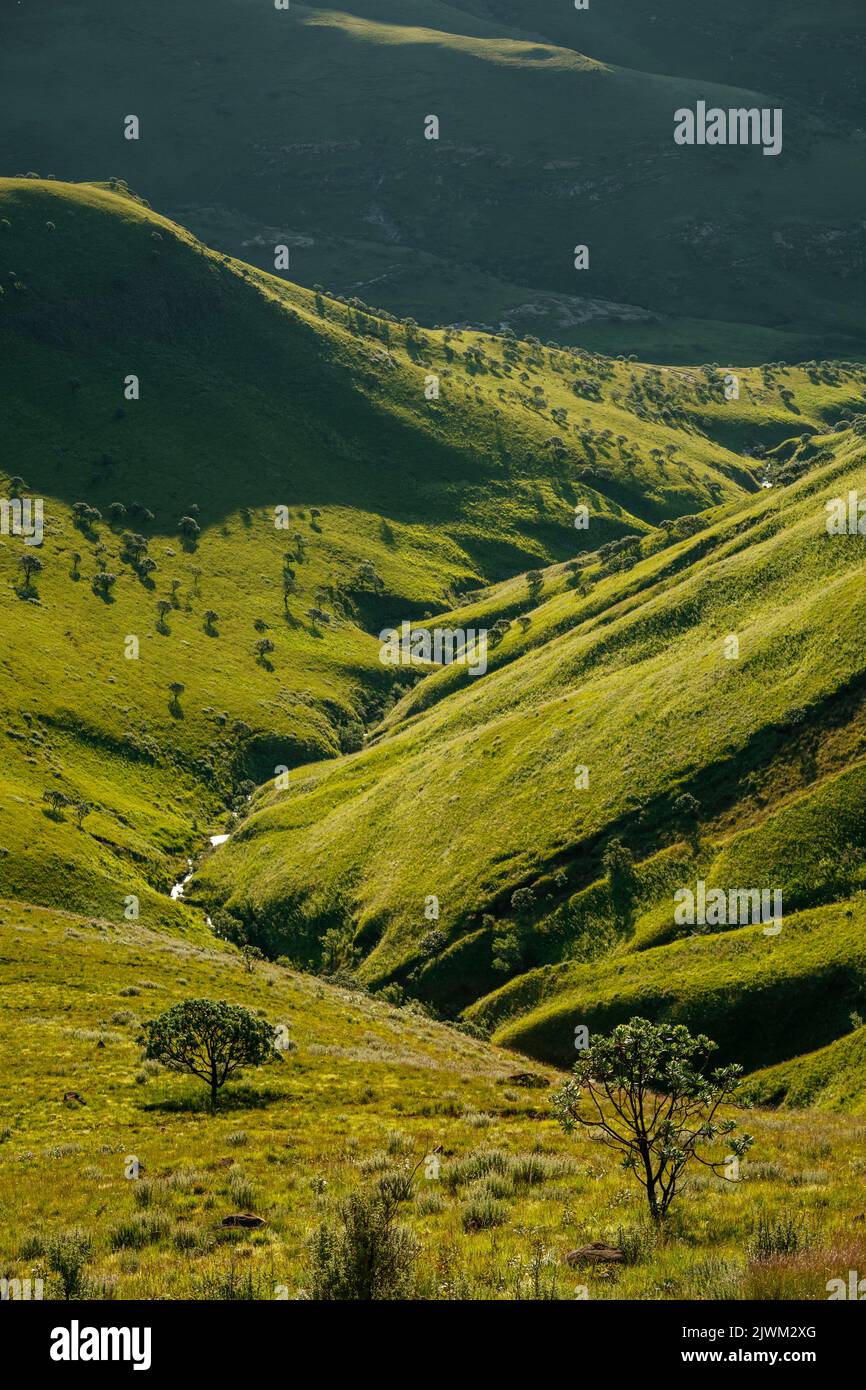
x,y
296,436
555,130
244,481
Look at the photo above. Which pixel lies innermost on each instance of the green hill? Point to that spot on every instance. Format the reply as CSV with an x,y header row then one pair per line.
x,y
830,1079
254,396
283,486
629,679
197,655
556,130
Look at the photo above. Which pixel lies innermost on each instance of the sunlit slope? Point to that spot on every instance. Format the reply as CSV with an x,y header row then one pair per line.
x,y
803,52
365,1090
556,129
474,797
764,998
257,403
829,1079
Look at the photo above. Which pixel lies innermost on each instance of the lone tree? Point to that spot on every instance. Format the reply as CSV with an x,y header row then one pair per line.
x,y
535,584
210,1040
646,1091
56,800
30,565
102,584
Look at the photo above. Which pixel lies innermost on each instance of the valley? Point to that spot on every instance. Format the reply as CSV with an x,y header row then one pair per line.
x,y
427,874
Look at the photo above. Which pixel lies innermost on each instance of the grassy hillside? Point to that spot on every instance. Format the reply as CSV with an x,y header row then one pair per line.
x,y
367,1090
555,130
829,1079
763,999
627,677
196,655
252,397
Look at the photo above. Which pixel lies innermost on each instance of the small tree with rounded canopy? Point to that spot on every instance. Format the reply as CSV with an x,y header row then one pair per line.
x,y
189,530
209,1039
647,1092
30,565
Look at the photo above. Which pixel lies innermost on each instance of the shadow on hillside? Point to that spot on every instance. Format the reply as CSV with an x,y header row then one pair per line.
x,y
237,1098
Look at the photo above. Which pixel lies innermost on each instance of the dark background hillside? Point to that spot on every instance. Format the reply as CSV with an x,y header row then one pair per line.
x,y
306,128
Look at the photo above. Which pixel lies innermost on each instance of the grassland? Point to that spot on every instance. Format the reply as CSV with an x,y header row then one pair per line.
x,y
252,397
198,655
367,1089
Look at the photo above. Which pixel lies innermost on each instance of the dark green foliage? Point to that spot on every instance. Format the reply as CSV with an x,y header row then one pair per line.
x,y
211,1040
647,1092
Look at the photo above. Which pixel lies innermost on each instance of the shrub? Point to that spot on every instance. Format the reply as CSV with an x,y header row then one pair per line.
x,y
66,1254
242,1192
482,1211
778,1236
364,1255
142,1229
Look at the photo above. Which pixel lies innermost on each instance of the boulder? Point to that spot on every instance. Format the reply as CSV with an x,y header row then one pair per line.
x,y
597,1253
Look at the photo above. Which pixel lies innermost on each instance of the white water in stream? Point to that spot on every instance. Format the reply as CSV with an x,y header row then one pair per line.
x,y
177,890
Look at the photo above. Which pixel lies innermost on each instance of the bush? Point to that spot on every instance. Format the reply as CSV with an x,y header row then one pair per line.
x,y
142,1229
365,1255
777,1236
67,1254
482,1211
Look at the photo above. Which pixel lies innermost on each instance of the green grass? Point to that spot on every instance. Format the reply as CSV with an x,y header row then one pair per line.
x,y
253,396
257,395
366,1089
630,681
829,1079
762,999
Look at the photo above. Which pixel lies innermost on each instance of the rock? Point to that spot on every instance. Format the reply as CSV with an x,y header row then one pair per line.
x,y
597,1253
243,1219
527,1078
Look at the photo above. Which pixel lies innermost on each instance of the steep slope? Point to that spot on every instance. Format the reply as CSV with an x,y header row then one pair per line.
x,y
147,379
470,793
829,1079
220,554
556,130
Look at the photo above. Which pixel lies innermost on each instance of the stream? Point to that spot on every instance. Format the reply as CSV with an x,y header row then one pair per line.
x,y
177,890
